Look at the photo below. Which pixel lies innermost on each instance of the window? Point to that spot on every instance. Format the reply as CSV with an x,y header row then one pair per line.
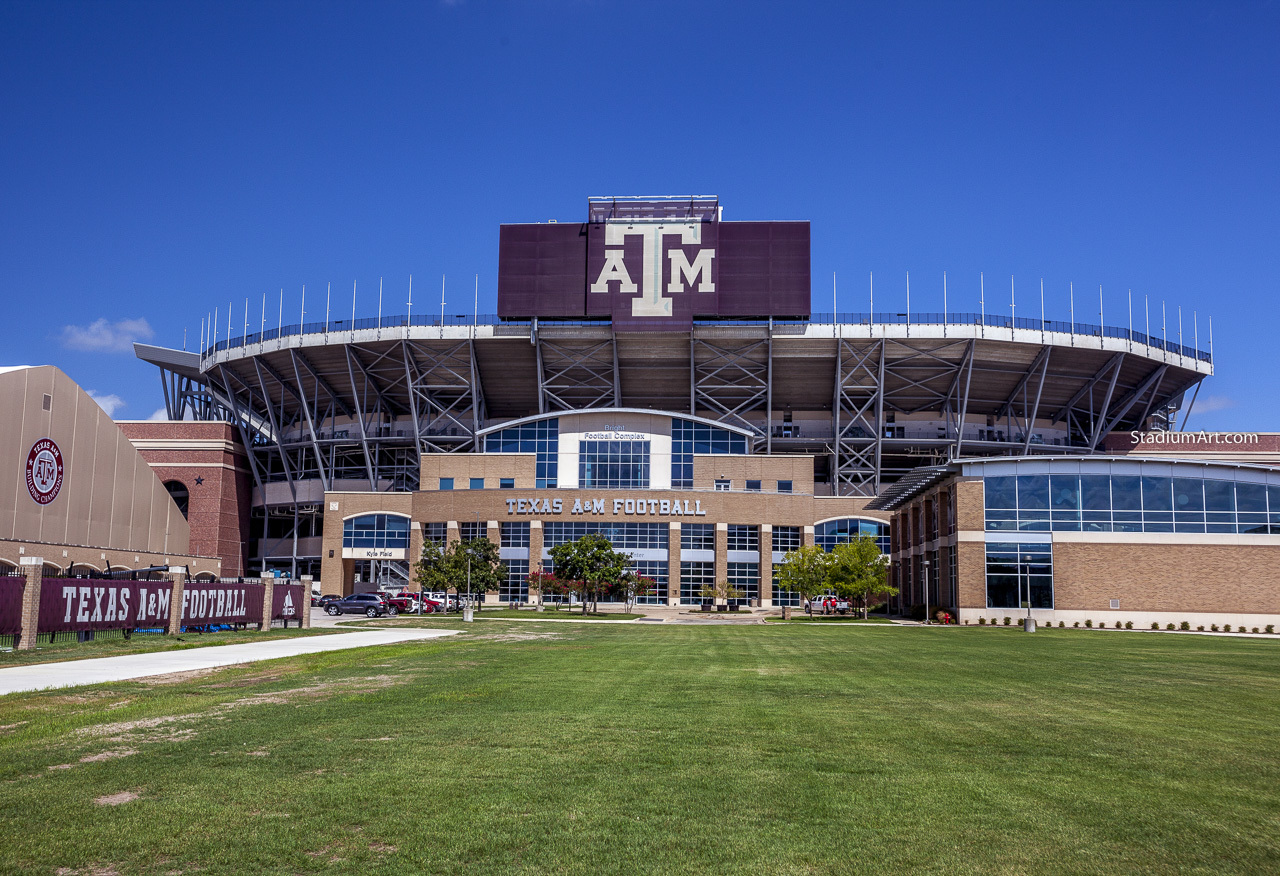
x,y
613,464
655,573
470,531
697,536
1129,503
541,438
753,486
743,537
515,534
833,532
786,538
446,483
180,495
693,577
506,483
623,536
722,486
783,597
477,483
688,438
376,531
784,486
436,532
515,587
1019,573
746,577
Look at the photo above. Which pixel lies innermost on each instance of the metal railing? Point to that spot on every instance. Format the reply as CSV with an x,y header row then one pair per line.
x,y
989,320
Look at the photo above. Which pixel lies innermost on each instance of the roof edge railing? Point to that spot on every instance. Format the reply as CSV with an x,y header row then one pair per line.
x,y
989,320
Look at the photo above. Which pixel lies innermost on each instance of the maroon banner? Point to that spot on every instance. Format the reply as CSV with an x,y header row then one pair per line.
x,y
286,602
221,604
70,604
11,605
654,275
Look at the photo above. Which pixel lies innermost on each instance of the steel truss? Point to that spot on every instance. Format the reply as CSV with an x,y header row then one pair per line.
x,y
575,373
729,380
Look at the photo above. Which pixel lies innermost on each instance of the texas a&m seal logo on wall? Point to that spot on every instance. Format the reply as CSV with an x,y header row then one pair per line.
x,y
44,471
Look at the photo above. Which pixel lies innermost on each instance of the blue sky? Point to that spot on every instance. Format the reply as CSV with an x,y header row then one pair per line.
x,y
158,160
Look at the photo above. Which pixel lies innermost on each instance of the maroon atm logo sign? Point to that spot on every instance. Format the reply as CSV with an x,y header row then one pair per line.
x,y
649,271
44,471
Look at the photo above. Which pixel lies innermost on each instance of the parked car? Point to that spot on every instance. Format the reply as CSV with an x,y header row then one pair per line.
x,y
326,600
402,602
367,604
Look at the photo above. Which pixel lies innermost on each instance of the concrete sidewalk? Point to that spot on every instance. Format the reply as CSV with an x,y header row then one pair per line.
x,y
71,673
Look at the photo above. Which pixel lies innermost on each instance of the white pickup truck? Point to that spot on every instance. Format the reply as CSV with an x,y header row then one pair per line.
x,y
829,605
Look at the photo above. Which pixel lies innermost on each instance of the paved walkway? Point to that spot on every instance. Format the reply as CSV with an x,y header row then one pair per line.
x,y
71,673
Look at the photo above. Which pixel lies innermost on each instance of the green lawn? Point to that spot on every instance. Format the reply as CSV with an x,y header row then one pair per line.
x,y
579,748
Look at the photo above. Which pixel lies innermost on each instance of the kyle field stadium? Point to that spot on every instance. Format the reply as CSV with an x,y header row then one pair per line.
x,y
655,373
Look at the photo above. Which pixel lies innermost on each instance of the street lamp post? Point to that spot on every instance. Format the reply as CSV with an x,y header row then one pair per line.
x,y
924,564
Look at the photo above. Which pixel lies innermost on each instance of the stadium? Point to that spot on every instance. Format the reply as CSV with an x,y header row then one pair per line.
x,y
647,306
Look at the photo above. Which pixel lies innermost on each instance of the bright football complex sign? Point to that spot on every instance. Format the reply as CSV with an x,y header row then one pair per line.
x,y
44,471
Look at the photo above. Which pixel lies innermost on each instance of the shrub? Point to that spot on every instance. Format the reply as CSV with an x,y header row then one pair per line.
x,y
1170,627
982,621
1213,628
1089,624
1255,629
1008,621
1271,628
1226,628
1063,624
1128,625
1200,628
1154,625
1076,625
1184,625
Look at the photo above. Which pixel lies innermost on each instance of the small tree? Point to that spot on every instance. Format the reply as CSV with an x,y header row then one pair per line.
x,y
546,583
475,564
804,571
431,572
635,586
721,590
590,561
856,570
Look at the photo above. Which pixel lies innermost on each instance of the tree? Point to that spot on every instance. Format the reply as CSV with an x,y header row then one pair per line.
x,y
548,583
440,568
431,572
590,562
634,586
856,570
720,590
804,571
476,565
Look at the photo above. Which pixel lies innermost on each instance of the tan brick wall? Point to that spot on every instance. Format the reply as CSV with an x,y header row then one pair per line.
x,y
970,513
971,572
1167,577
766,469
490,466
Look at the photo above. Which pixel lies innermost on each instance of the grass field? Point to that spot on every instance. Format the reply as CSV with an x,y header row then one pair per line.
x,y
587,748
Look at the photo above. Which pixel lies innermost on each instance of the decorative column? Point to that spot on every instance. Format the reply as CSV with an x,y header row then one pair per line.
x,y
33,571
175,602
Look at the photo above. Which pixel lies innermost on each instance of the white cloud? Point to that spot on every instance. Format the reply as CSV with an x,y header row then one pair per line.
x,y
109,402
1210,403
161,414
101,336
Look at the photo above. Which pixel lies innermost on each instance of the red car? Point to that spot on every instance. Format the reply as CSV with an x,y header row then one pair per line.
x,y
402,602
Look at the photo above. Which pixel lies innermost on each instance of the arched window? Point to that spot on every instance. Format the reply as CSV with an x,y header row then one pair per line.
x,y
376,531
833,532
180,495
